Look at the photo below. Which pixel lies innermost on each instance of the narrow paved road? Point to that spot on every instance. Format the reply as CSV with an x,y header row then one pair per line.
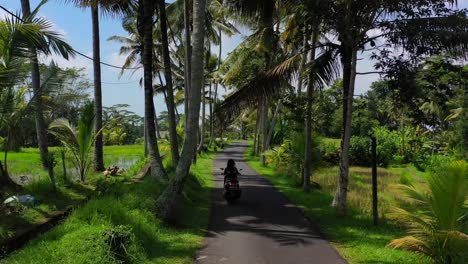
x,y
262,227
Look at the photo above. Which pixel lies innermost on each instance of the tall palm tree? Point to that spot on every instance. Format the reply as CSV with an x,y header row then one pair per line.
x,y
258,14
133,49
41,128
110,7
216,24
17,38
169,86
145,23
168,199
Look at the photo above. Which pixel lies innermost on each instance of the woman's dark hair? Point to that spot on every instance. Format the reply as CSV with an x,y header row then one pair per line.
x,y
231,163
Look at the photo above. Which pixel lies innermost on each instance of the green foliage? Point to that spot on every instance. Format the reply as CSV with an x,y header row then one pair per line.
x,y
354,236
437,227
331,151
127,213
121,126
289,156
406,178
78,141
387,147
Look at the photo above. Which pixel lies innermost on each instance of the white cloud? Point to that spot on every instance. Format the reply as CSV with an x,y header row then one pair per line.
x,y
76,62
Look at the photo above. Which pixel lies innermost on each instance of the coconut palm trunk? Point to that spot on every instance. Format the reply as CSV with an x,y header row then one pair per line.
x,y
169,88
98,145
308,122
167,201
256,133
188,57
145,137
264,125
279,106
157,169
203,116
267,25
349,60
210,95
41,128
213,100
156,125
303,63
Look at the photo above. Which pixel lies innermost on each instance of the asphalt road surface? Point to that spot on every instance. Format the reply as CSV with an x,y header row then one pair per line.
x,y
262,227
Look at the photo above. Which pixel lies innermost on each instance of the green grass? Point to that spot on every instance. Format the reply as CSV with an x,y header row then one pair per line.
x,y
27,162
81,239
354,236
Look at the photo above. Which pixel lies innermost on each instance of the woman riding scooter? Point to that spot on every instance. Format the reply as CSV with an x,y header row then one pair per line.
x,y
230,172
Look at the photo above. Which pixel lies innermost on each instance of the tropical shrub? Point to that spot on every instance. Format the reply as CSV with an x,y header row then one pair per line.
x,y
387,147
425,162
77,140
438,227
289,156
330,152
359,151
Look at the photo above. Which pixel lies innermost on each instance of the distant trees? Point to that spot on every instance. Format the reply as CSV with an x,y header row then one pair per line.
x,y
121,126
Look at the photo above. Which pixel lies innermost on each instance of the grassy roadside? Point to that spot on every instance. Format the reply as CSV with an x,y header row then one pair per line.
x,y
129,210
354,236
27,162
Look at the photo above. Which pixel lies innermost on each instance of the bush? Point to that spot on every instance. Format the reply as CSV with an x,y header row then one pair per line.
x,y
387,147
289,156
139,141
330,153
398,159
432,163
436,163
359,151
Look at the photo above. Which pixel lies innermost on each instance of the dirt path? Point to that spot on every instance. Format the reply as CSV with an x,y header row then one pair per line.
x,y
263,227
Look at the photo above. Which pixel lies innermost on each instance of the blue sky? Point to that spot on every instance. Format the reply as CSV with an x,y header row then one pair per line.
x,y
75,25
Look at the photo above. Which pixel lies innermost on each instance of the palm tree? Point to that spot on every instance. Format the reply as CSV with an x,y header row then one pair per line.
x,y
216,24
168,77
17,37
110,7
437,229
133,49
77,140
145,28
41,128
168,199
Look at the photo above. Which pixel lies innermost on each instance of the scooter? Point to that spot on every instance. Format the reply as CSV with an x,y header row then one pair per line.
x,y
232,191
